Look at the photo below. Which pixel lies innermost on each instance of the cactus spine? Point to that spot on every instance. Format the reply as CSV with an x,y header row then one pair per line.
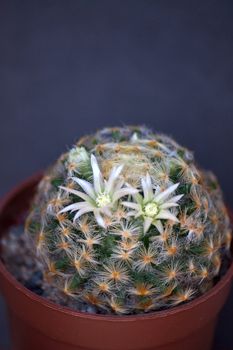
x,y
127,222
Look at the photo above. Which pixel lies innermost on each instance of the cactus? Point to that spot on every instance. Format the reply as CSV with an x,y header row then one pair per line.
x,y
127,222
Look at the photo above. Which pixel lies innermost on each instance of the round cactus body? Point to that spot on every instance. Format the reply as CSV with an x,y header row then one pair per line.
x,y
127,222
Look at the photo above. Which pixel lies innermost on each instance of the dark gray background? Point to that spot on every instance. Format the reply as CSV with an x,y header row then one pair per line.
x,y
69,67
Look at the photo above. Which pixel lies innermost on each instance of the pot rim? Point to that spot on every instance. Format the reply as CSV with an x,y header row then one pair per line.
x,y
16,191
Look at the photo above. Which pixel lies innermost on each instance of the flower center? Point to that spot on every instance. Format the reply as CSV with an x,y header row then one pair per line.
x,y
103,199
151,209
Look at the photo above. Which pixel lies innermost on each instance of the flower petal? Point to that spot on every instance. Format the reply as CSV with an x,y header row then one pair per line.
x,y
167,205
86,186
82,211
147,223
165,194
73,207
138,198
97,176
113,177
124,192
147,187
166,214
132,205
158,225
99,219
131,213
119,185
106,211
77,193
176,198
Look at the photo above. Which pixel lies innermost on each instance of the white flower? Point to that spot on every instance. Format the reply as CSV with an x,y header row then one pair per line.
x,y
99,197
154,206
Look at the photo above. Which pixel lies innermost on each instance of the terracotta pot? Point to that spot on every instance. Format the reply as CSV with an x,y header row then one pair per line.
x,y
39,324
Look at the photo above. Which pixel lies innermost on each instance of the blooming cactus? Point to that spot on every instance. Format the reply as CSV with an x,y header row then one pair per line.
x,y
126,221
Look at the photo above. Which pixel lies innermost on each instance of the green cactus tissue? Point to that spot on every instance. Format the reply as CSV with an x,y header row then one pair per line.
x,y
127,221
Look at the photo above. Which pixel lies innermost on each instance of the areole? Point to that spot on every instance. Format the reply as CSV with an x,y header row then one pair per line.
x,y
37,323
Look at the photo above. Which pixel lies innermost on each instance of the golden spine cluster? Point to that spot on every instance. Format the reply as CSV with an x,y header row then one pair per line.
x,y
126,221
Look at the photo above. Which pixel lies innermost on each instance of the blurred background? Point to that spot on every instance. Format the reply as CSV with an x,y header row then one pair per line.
x,y
69,67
